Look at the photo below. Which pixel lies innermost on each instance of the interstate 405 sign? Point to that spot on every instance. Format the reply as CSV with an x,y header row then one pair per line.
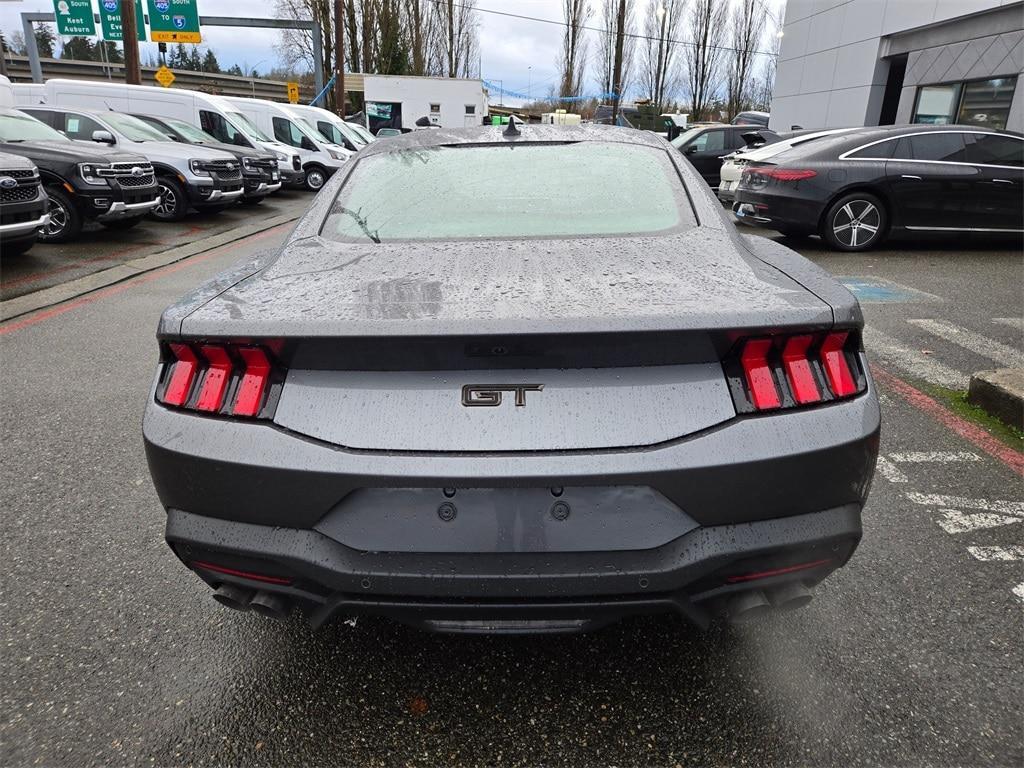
x,y
174,21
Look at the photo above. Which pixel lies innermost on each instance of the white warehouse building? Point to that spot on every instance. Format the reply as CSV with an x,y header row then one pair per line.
x,y
881,62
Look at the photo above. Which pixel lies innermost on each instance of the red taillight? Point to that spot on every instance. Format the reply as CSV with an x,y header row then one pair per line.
x,y
759,375
282,580
781,174
227,379
798,369
254,382
833,357
776,571
772,372
183,373
215,381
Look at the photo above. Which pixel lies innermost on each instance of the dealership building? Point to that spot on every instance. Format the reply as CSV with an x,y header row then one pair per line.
x,y
882,62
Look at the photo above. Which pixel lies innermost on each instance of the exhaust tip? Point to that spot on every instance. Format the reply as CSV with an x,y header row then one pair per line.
x,y
790,597
231,596
270,605
748,606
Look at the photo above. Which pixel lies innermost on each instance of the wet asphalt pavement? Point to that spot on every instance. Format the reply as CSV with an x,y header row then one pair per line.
x,y
114,654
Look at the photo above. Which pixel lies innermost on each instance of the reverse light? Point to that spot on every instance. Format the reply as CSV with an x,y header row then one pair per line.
x,y
222,379
790,371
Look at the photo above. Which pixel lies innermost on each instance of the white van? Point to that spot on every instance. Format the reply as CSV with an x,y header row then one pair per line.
x,y
211,113
320,159
329,125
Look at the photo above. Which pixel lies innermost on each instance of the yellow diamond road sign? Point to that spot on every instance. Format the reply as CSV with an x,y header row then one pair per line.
x,y
293,93
164,76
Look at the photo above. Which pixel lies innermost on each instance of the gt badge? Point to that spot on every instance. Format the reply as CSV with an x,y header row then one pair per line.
x,y
490,394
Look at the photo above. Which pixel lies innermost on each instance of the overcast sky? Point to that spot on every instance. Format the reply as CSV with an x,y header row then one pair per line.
x,y
521,54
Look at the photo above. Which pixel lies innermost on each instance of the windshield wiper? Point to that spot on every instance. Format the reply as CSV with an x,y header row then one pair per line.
x,y
361,221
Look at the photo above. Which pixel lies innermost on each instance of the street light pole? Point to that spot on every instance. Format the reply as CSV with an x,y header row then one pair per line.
x,y
339,58
252,76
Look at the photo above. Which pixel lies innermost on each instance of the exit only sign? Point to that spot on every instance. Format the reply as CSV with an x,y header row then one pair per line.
x,y
174,21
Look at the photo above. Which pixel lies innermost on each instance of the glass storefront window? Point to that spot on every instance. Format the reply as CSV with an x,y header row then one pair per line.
x,y
977,102
936,104
987,102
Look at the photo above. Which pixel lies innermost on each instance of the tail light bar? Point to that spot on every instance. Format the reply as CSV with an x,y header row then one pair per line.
x,y
767,373
759,175
238,380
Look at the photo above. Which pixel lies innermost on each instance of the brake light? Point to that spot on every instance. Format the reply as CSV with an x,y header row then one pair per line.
x,y
781,174
758,374
213,567
224,379
772,372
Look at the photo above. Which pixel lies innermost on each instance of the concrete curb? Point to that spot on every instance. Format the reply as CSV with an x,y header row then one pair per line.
x,y
57,294
999,393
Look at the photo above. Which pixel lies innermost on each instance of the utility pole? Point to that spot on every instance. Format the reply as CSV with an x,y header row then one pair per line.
x,y
132,73
339,58
620,34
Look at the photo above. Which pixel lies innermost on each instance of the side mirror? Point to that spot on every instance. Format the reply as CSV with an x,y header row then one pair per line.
x,y
307,144
690,150
103,137
240,140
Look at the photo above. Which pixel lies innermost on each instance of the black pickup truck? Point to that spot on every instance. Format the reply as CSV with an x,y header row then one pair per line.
x,y
83,181
23,204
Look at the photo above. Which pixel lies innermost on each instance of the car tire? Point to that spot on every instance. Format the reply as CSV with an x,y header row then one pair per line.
x,y
252,200
122,224
17,247
855,222
173,200
316,177
65,220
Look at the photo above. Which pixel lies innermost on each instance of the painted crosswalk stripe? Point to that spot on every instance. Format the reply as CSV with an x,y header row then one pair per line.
x,y
941,500
974,342
890,471
933,457
1013,322
1013,552
954,521
914,363
1019,591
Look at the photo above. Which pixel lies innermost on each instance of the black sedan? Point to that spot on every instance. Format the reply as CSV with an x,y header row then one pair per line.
x,y
538,405
705,146
856,188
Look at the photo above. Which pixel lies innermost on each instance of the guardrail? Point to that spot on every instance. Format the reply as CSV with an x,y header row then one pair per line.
x,y
18,71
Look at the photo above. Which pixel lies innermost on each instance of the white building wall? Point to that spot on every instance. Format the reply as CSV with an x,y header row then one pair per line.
x,y
829,73
416,94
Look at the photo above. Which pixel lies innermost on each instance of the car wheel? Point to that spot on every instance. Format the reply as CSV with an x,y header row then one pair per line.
x,y
855,222
122,223
316,177
252,200
17,247
65,220
173,201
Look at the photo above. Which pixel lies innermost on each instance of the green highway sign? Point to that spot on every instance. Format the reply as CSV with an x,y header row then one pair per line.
x,y
174,21
110,20
74,17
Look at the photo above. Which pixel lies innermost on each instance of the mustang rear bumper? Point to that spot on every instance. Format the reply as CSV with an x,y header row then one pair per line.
x,y
645,529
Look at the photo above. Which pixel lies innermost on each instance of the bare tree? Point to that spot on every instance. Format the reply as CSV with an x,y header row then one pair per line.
x,y
764,84
660,65
457,41
295,48
703,54
615,45
421,34
574,47
746,30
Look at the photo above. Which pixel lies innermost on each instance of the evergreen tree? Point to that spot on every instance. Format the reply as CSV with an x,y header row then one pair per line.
x,y
210,63
45,39
79,49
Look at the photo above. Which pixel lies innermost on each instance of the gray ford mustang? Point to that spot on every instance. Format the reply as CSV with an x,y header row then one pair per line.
x,y
515,380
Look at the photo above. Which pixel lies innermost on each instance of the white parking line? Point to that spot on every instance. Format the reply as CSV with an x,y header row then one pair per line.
x,y
974,342
914,363
890,471
1013,322
1013,552
933,457
955,521
940,500
1019,591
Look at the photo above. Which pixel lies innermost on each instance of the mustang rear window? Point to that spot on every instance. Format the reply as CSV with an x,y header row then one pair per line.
x,y
586,189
